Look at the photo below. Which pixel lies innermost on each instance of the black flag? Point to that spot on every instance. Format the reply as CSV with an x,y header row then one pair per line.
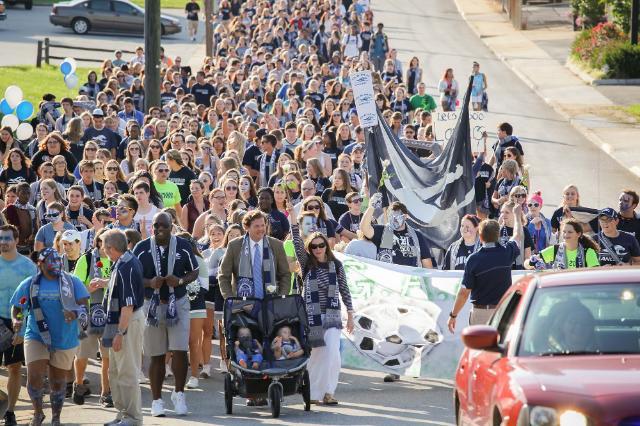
x,y
437,192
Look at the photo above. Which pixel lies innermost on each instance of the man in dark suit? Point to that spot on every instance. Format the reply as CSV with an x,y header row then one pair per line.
x,y
249,268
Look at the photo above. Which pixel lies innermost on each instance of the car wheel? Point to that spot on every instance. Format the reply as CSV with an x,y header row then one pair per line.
x,y
80,26
497,418
28,4
457,412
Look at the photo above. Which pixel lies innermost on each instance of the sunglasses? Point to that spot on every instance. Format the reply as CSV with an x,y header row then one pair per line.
x,y
533,205
51,215
163,170
231,188
90,149
520,195
112,169
314,207
317,246
154,147
356,200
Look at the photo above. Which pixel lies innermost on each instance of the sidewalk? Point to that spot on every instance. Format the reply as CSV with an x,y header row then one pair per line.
x,y
592,113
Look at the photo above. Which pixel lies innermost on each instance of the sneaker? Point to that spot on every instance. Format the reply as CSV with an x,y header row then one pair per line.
x,y
223,367
192,383
79,392
206,371
142,378
157,408
167,371
179,403
106,401
112,422
10,419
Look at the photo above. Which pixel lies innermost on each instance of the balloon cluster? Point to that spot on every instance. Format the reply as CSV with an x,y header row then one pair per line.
x,y
68,69
15,110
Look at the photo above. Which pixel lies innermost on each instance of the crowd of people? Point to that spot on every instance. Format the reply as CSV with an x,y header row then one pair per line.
x,y
134,224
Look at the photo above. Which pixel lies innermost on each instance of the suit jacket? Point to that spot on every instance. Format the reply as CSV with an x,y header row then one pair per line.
x,y
228,272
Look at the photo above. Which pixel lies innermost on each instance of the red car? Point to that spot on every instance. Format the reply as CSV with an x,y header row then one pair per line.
x,y
562,349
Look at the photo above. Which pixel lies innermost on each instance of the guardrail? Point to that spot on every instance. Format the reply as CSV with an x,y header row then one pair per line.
x,y
45,46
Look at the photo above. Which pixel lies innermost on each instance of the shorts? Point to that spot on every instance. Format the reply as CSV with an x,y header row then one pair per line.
x,y
476,99
90,345
214,298
34,350
192,26
14,354
162,339
198,308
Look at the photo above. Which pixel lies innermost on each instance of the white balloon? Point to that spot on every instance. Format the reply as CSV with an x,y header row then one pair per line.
x,y
13,95
71,80
73,64
11,121
24,132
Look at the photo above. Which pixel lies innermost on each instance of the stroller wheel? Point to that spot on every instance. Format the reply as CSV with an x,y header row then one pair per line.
x,y
275,398
306,391
228,393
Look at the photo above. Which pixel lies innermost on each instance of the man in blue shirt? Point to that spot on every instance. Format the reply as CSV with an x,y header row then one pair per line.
x,y
487,274
130,113
14,268
52,301
125,325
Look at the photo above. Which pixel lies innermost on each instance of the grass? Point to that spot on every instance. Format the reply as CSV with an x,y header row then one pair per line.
x,y
634,110
165,4
35,82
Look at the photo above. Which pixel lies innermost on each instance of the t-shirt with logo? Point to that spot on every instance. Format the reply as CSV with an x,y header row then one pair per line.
x,y
12,272
350,222
64,335
401,252
625,246
182,178
169,192
203,93
461,257
590,256
106,138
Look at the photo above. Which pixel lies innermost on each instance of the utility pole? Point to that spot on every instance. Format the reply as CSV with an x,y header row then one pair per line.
x,y
635,11
152,34
208,28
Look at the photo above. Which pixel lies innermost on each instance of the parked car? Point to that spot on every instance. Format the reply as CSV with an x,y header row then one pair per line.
x,y
3,13
83,16
562,349
28,4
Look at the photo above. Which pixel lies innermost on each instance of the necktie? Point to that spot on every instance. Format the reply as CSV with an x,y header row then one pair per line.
x,y
258,291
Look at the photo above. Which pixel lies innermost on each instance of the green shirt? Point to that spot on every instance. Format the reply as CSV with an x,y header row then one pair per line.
x,y
82,269
169,192
425,102
591,257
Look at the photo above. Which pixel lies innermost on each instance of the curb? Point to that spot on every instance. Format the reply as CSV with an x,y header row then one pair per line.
x,y
575,68
583,130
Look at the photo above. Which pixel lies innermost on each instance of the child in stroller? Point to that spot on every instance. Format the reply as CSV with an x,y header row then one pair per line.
x,y
285,345
248,349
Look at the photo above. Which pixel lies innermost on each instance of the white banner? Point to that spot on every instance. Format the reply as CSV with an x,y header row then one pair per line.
x,y
364,97
445,122
401,316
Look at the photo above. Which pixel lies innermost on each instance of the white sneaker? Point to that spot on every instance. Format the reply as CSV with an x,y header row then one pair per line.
x,y
192,383
157,408
223,366
167,371
179,403
206,371
142,378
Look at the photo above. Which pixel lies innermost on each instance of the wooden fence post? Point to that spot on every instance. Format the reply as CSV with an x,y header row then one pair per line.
x,y
39,55
46,50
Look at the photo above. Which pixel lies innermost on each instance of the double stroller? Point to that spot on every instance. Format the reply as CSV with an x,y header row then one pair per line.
x,y
274,379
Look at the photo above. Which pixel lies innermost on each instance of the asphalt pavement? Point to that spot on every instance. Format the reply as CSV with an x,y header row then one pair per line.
x,y
20,32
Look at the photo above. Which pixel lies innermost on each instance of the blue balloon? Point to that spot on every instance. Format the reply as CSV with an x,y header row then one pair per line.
x,y
5,108
66,68
24,110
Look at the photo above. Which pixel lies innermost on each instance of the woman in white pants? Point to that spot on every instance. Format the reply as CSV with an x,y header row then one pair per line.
x,y
325,283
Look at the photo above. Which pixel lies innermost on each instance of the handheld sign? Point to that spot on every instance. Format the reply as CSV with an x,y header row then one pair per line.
x,y
365,98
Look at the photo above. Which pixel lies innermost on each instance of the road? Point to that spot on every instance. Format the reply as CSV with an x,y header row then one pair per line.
x,y
557,154
20,32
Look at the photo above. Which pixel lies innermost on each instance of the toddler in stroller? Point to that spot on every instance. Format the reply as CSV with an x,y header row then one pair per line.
x,y
285,345
248,349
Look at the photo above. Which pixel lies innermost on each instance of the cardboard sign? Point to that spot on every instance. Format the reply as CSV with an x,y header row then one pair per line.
x,y
364,97
445,122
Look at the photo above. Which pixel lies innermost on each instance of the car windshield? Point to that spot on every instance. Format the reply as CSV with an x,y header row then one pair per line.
x,y
583,320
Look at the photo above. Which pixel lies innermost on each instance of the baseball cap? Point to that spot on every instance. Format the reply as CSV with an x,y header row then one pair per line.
x,y
608,212
70,235
97,113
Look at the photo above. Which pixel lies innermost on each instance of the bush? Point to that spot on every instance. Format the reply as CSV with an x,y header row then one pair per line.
x,y
590,12
621,13
622,61
590,45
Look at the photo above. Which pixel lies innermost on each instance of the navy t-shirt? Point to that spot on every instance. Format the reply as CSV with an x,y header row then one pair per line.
x,y
202,93
251,156
105,137
184,262
488,272
350,222
402,251
625,245
129,288
279,225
